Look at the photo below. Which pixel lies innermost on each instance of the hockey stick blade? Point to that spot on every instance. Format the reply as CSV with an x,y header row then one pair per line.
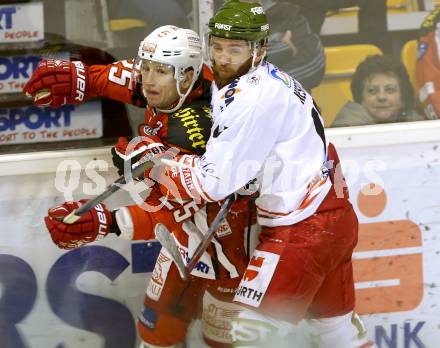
x,y
207,238
112,188
163,235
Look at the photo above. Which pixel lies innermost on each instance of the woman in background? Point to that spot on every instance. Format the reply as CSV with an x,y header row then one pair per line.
x,y
382,93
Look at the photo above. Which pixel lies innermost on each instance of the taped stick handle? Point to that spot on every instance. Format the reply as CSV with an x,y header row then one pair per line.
x,y
112,188
207,238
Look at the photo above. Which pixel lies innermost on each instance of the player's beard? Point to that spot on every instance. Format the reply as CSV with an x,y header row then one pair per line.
x,y
229,75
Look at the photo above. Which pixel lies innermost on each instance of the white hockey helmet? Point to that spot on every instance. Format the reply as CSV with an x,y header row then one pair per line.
x,y
178,47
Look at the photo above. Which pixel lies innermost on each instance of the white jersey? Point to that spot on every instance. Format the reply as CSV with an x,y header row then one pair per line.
x,y
265,126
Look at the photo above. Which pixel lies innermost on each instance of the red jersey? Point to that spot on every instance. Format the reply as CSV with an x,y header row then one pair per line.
x,y
428,66
189,129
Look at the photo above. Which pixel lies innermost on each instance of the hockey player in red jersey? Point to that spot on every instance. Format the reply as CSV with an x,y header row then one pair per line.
x,y
176,97
266,126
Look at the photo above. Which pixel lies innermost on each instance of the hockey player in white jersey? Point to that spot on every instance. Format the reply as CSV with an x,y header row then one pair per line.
x,y
266,126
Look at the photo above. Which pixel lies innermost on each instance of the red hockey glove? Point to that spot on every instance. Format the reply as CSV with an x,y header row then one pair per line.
x,y
134,150
93,225
57,82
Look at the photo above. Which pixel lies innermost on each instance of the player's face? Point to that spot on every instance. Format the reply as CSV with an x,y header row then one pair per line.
x,y
230,59
158,84
382,97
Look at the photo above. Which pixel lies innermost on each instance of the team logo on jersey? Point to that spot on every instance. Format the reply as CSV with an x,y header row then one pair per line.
x,y
279,75
145,129
254,79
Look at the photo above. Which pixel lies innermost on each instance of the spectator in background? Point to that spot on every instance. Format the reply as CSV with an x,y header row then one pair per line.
x,y
152,13
428,66
292,45
382,93
372,17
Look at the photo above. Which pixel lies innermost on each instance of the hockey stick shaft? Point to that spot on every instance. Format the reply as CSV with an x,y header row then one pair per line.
x,y
207,238
165,238
112,188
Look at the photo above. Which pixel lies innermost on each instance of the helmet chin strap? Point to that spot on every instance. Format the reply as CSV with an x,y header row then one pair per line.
x,y
182,97
254,48
179,77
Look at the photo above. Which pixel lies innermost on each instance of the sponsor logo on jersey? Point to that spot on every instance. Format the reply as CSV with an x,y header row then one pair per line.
x,y
187,177
231,92
222,26
257,277
200,266
249,293
189,119
279,75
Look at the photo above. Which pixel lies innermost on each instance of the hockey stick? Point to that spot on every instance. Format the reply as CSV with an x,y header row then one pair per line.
x,y
207,238
112,188
165,238
138,169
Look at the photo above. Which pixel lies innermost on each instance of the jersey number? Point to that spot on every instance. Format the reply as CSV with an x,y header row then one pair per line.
x,y
121,76
318,124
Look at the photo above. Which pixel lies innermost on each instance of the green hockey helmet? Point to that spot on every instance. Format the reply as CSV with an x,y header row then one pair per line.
x,y
240,21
